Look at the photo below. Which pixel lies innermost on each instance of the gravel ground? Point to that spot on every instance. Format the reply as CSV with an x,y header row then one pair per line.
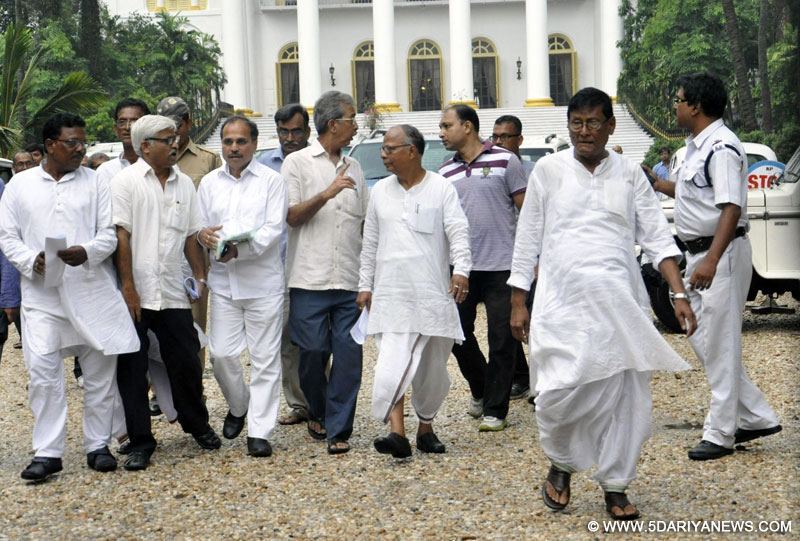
x,y
487,485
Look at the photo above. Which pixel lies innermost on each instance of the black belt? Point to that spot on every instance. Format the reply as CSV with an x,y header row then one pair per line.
x,y
702,244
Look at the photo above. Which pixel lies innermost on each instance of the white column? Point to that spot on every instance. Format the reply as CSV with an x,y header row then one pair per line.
x,y
611,31
234,58
536,65
308,49
461,89
385,72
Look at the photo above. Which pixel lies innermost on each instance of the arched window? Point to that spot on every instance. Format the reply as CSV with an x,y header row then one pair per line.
x,y
288,75
563,69
176,5
425,76
485,74
364,75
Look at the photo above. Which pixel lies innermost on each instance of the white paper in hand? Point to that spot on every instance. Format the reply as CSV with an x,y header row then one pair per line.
x,y
54,265
359,330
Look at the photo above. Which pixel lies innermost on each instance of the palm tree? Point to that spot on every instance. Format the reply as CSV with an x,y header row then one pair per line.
x,y
78,92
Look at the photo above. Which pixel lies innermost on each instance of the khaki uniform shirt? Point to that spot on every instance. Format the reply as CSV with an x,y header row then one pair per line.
x,y
197,161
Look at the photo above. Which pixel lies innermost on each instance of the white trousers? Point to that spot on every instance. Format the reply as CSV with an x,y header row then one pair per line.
x,y
411,359
735,400
48,399
254,324
603,423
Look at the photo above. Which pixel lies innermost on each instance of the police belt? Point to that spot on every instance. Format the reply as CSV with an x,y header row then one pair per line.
x,y
702,244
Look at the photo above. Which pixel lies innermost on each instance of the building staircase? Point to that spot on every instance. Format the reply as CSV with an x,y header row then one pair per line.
x,y
537,123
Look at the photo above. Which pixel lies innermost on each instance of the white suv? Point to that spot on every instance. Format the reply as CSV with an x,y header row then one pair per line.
x,y
774,214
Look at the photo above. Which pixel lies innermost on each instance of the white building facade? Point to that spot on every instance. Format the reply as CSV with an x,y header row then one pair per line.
x,y
406,55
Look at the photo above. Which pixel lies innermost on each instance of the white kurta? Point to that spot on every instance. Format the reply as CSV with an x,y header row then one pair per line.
x,y
409,238
591,315
87,308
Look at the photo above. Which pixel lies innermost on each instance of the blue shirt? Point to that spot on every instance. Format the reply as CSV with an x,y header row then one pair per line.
x,y
9,278
272,159
661,170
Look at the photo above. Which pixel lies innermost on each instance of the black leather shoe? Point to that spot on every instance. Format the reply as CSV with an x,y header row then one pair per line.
x,y
519,390
394,444
136,461
705,450
429,443
742,435
209,440
101,460
233,425
41,468
258,447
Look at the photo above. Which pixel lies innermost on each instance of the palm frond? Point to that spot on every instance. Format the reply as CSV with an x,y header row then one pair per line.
x,y
78,93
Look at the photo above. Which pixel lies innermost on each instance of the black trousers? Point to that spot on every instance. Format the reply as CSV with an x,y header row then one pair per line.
x,y
179,347
490,381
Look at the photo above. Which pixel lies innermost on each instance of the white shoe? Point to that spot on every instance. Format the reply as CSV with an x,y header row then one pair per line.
x,y
475,407
492,424
80,382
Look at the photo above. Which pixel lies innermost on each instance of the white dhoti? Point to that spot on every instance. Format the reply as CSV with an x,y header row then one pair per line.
x,y
48,399
411,359
254,324
603,423
735,400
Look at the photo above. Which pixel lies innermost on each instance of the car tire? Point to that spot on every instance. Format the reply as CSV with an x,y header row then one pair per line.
x,y
660,300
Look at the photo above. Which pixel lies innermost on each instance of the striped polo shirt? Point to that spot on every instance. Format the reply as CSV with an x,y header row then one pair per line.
x,y
486,187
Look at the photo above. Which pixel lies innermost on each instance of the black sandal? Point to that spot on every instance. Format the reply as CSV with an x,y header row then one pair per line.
x,y
317,435
619,499
559,480
333,446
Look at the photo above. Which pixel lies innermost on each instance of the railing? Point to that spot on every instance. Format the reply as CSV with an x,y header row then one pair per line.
x,y
670,134
325,4
202,129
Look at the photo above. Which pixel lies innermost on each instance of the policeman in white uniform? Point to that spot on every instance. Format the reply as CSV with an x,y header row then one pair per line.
x,y
710,191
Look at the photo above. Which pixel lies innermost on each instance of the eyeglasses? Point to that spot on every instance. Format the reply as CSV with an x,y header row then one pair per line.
x,y
386,149
352,120
503,136
169,141
72,144
592,125
676,100
240,141
125,123
296,133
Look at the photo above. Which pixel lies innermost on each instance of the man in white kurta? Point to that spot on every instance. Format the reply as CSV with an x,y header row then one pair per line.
x,y
591,335
414,226
81,314
245,196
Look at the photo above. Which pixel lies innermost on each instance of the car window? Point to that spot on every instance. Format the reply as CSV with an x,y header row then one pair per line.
x,y
369,157
792,172
754,158
533,154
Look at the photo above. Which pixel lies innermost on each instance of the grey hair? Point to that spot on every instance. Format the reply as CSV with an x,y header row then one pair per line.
x,y
329,107
148,126
414,137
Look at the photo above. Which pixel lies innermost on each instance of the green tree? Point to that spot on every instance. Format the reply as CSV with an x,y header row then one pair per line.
x,y
77,91
748,110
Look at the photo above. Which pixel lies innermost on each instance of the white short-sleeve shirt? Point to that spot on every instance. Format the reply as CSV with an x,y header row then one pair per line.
x,y
159,220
